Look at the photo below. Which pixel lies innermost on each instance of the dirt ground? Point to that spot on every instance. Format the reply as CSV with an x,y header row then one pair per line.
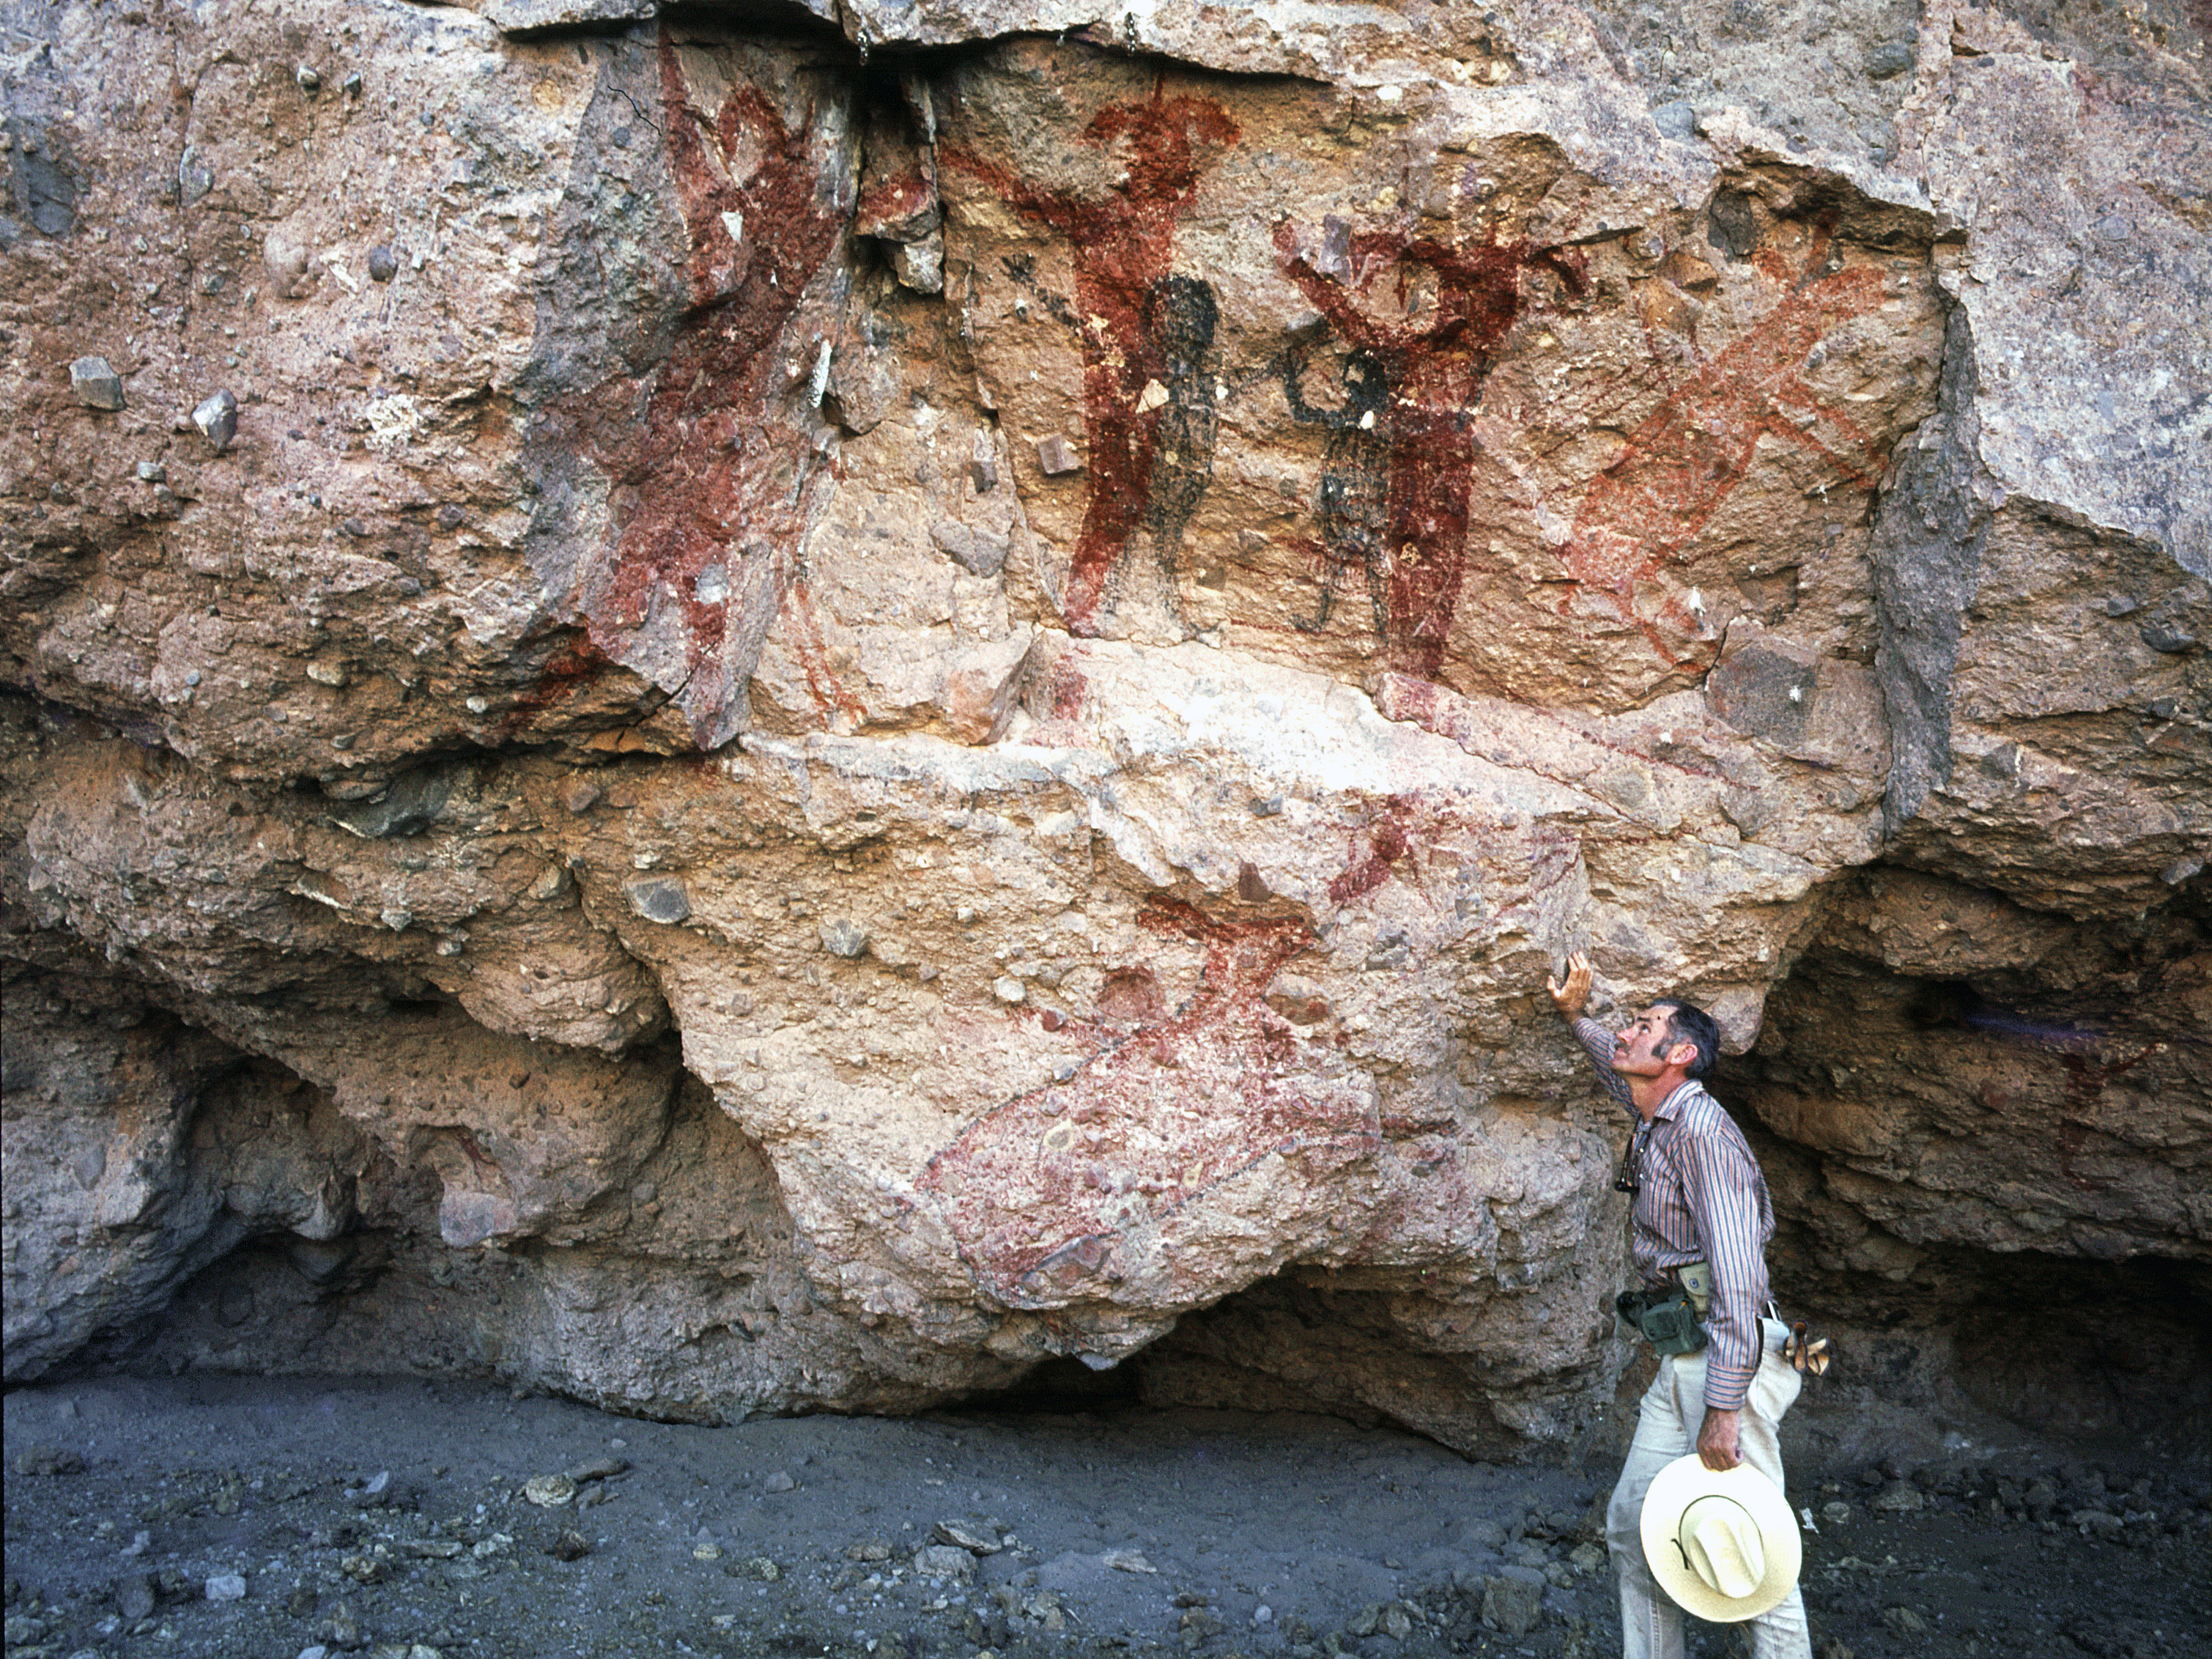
x,y
264,1519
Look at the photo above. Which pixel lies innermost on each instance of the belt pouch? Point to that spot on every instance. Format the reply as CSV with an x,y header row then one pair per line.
x,y
1665,1319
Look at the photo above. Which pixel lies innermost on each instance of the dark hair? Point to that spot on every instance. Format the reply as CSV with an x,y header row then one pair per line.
x,y
1687,1023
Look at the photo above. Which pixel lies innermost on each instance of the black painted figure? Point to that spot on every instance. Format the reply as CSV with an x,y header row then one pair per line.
x,y
1181,322
1355,484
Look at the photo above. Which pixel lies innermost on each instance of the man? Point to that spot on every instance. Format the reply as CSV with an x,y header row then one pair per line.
x,y
1698,1197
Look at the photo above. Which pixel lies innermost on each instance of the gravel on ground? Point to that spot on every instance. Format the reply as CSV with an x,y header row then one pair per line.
x,y
256,1518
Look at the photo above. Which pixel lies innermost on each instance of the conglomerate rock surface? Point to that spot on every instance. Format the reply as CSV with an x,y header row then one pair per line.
x,y
737,710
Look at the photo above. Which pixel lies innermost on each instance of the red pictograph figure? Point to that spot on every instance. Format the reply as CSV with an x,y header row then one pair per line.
x,y
1121,245
710,481
1409,392
1683,460
1041,1192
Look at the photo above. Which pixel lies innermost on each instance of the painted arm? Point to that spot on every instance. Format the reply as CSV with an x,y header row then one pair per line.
x,y
1327,296
1294,369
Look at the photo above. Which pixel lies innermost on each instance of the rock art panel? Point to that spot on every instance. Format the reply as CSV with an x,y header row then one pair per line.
x,y
1143,330
1411,390
1679,467
1168,1117
838,724
711,453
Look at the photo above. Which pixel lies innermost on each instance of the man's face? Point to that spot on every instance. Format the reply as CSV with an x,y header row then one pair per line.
x,y
1642,1048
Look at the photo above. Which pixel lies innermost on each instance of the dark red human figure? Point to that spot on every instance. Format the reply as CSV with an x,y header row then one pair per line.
x,y
1432,367
1121,245
709,476
1041,1193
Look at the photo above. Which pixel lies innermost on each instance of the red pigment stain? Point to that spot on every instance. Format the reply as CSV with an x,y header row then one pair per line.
x,y
1039,1191
714,471
1386,845
1120,248
565,672
894,198
1682,463
1432,367
813,653
486,1167
2086,1080
1132,996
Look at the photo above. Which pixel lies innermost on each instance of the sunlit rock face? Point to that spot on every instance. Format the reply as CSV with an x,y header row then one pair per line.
x,y
728,715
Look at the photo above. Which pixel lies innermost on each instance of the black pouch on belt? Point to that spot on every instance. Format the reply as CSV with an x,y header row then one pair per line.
x,y
1666,1318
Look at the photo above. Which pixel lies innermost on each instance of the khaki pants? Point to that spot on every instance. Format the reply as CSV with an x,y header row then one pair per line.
x,y
1667,1428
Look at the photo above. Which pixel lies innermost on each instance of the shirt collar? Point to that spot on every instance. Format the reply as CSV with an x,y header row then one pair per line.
x,y
1684,1092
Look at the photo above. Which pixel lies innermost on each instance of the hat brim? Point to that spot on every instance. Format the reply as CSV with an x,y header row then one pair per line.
x,y
1680,1484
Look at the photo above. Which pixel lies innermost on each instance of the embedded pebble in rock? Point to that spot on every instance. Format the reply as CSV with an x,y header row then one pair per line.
x,y
225,1587
550,1492
661,901
216,416
383,264
96,385
1056,457
778,1480
978,553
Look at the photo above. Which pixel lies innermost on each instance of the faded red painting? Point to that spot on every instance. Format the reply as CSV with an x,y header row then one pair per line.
x,y
1424,320
1041,1192
1681,463
711,479
1138,325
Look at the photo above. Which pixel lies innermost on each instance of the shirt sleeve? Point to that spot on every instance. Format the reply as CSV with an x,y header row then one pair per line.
x,y
1597,1043
1722,1186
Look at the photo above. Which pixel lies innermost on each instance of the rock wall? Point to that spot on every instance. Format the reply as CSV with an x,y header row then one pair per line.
x,y
742,712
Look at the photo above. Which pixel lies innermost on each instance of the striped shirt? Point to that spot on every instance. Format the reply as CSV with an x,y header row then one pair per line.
x,y
1699,1197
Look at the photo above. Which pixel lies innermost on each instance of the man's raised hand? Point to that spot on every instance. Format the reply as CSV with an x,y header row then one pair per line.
x,y
1569,998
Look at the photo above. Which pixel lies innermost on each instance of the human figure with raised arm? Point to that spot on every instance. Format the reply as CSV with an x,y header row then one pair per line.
x,y
1700,1215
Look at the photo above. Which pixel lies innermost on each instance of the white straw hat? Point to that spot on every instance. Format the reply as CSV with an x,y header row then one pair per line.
x,y
1722,1543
